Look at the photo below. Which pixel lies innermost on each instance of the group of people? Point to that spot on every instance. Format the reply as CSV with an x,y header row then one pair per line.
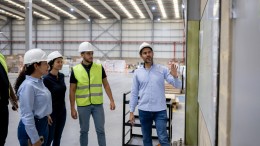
x,y
40,89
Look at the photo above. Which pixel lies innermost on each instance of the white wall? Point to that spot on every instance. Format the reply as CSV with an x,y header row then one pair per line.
x,y
134,32
245,99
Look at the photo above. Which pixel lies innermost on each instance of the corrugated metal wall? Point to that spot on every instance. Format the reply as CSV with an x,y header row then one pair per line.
x,y
168,37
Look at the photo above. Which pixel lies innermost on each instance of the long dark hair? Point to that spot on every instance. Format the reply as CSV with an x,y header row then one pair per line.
x,y
27,70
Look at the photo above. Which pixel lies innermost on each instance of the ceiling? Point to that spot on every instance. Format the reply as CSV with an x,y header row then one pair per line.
x,y
108,8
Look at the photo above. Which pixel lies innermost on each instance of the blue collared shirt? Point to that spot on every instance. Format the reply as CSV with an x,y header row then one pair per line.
x,y
148,84
35,102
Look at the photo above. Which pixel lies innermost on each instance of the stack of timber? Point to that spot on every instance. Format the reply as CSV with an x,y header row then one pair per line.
x,y
171,92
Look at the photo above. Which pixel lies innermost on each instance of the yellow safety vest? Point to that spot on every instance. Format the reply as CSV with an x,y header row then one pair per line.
x,y
89,90
2,61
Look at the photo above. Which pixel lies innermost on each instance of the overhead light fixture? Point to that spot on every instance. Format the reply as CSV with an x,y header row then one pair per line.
x,y
162,8
15,4
137,8
176,8
123,9
71,9
40,15
153,7
10,14
22,7
59,9
92,9
158,19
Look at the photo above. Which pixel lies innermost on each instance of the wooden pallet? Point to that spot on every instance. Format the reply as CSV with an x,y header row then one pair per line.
x,y
175,100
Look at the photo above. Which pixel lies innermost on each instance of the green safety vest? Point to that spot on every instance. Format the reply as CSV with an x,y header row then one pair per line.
x,y
2,61
89,90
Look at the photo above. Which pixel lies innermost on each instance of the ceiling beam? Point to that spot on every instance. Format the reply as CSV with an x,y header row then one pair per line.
x,y
12,10
3,17
44,11
147,9
110,9
75,9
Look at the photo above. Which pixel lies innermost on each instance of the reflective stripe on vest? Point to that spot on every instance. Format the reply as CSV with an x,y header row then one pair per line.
x,y
89,90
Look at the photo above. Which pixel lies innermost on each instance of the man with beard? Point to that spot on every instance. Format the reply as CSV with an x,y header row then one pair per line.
x,y
86,89
148,85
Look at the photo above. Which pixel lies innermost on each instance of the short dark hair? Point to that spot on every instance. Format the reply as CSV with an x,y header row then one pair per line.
x,y
143,48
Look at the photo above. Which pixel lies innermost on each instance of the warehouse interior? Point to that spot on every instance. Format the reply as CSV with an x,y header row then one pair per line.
x,y
213,42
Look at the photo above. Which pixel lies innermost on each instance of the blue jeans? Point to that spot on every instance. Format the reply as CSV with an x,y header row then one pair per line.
x,y
98,115
160,119
41,126
56,128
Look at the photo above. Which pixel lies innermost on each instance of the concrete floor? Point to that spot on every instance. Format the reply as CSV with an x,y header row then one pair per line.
x,y
120,83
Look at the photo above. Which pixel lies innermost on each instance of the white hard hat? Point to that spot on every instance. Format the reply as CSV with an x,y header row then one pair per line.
x,y
34,55
53,55
144,45
85,47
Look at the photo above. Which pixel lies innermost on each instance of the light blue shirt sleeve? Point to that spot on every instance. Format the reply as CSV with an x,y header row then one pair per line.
x,y
176,82
26,98
134,93
35,102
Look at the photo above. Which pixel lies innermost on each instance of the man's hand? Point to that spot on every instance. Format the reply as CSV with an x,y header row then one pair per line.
x,y
50,120
74,114
112,105
174,70
14,104
132,118
13,98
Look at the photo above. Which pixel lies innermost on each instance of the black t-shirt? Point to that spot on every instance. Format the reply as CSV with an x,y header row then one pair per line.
x,y
57,87
87,68
4,86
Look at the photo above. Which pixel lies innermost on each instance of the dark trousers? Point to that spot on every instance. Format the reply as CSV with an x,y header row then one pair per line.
x,y
4,120
41,126
56,128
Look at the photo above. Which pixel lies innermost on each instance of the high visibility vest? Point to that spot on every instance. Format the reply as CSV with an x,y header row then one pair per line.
x,y
89,90
2,61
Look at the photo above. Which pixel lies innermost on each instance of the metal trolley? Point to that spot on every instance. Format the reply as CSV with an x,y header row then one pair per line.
x,y
129,134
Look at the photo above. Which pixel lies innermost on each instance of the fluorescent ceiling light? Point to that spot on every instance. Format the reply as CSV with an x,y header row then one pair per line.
x,y
14,3
59,9
22,7
123,8
153,7
40,15
10,14
137,9
176,8
162,8
71,9
92,9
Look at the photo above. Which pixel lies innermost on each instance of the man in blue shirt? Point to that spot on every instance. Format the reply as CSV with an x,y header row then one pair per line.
x,y
148,84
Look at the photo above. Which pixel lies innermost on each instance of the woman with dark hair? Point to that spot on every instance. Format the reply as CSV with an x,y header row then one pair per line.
x,y
35,100
54,81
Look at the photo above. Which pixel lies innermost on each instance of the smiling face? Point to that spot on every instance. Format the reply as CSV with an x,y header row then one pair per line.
x,y
147,55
